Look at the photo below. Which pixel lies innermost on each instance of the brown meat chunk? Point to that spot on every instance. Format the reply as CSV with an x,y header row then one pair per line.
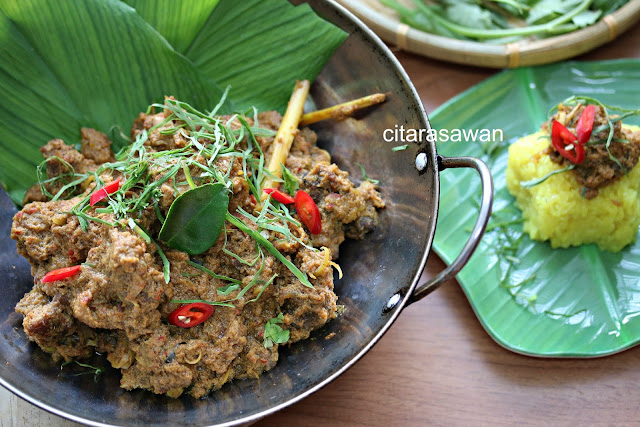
x,y
49,323
63,159
49,237
343,206
96,146
57,148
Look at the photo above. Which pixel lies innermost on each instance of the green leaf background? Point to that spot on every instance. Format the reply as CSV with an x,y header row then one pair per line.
x,y
164,14
581,302
98,63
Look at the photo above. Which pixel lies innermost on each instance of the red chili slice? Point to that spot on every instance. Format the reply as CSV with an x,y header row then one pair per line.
x,y
190,315
561,138
279,196
60,273
585,124
102,193
308,212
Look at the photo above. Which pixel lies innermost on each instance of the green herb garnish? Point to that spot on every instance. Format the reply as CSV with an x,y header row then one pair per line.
x,y
507,246
211,273
291,183
366,177
166,266
262,241
624,113
536,181
135,227
190,301
273,332
226,290
94,370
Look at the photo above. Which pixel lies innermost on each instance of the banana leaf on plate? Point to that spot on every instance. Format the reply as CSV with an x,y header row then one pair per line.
x,y
532,299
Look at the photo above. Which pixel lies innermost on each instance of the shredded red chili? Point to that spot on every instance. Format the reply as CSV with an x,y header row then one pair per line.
x,y
308,212
190,315
280,196
102,193
60,273
566,143
585,124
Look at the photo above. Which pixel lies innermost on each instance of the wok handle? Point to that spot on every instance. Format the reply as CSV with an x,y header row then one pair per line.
x,y
478,230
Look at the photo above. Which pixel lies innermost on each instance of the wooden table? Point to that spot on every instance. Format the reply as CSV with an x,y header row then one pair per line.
x,y
436,364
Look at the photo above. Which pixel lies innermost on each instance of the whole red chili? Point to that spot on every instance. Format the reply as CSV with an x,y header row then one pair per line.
x,y
308,212
60,273
102,193
566,143
585,124
190,315
279,196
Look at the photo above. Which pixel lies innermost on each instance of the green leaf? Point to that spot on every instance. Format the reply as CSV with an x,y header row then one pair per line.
x,y
245,44
546,10
513,6
586,18
273,332
554,302
416,19
470,15
226,290
400,147
291,183
260,48
73,63
178,21
195,219
608,6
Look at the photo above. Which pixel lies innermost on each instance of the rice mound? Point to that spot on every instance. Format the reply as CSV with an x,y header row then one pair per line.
x,y
555,209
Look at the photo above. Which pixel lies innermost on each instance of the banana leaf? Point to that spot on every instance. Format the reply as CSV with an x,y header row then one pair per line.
x,y
532,299
258,47
178,21
98,63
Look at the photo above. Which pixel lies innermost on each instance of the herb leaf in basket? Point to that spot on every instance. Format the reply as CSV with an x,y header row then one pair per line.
x,y
502,20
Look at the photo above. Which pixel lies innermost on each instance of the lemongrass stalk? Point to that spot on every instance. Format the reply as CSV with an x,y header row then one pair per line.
x,y
342,111
287,132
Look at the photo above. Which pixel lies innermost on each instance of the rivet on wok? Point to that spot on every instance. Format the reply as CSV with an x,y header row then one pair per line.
x,y
393,301
421,161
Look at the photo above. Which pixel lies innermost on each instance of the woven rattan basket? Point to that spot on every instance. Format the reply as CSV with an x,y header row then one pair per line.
x,y
386,24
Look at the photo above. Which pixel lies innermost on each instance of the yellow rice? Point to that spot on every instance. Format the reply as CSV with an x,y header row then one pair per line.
x,y
555,209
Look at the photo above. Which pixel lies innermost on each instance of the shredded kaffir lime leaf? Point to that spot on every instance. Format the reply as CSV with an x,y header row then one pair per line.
x,y
366,177
211,141
92,369
536,181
